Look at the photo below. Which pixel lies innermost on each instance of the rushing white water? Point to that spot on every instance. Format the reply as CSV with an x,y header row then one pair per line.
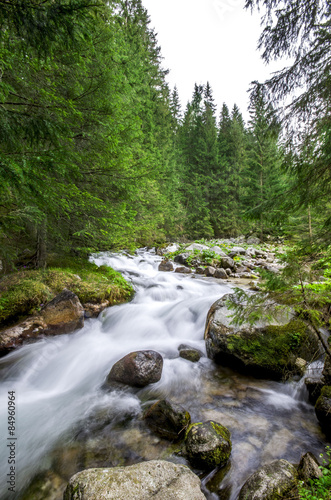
x,y
58,380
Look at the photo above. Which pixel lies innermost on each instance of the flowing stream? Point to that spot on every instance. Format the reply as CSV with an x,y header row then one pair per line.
x,y
66,421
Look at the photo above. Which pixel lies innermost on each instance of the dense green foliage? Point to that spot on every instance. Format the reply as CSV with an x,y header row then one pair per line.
x,y
96,153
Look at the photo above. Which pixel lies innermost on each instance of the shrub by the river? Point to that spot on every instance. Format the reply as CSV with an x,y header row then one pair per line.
x,y
319,489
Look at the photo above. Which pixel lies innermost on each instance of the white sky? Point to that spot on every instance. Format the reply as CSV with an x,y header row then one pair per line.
x,y
210,40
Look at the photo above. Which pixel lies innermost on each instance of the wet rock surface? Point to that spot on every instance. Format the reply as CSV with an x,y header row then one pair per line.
x,y
137,369
208,445
277,480
323,410
167,419
63,314
264,349
156,479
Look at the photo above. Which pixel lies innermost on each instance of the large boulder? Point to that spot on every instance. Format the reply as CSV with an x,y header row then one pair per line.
x,y
208,445
156,479
137,369
167,419
323,410
267,349
274,481
63,314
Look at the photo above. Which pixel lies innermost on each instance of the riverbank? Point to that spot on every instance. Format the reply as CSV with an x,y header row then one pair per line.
x,y
25,292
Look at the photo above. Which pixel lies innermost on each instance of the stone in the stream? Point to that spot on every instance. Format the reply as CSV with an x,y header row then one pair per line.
x,y
220,273
210,271
183,270
167,419
274,481
267,349
323,410
314,386
153,480
189,353
166,266
309,468
208,445
137,369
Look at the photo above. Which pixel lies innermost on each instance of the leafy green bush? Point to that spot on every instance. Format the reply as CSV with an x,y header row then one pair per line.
x,y
318,489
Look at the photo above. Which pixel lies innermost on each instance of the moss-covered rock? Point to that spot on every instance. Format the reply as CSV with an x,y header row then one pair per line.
x,y
266,349
208,445
274,481
323,410
156,479
167,419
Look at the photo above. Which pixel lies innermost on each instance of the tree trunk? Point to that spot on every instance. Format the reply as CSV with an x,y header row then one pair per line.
x,y
41,255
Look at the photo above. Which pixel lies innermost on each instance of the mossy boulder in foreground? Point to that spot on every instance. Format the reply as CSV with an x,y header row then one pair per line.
x,y
274,481
156,479
208,445
266,349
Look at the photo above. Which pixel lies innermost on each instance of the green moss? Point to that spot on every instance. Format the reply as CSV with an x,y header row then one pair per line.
x,y
190,427
326,391
275,347
221,431
25,292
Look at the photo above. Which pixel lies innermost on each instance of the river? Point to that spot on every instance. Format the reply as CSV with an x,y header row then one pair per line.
x,y
66,420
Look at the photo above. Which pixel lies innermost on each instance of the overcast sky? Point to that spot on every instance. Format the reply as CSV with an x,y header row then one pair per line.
x,y
210,40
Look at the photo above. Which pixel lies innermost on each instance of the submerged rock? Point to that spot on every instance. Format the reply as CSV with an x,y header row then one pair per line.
x,y
208,445
189,353
275,481
156,479
137,369
266,349
167,419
